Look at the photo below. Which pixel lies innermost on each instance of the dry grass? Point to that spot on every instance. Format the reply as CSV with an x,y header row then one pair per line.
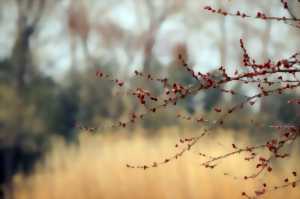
x,y
96,170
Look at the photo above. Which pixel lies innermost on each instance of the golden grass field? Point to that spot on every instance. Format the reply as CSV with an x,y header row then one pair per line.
x,y
96,170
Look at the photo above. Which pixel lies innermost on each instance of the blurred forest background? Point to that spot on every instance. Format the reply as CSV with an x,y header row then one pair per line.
x,y
51,49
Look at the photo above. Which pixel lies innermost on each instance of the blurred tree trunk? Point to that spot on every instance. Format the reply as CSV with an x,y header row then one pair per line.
x,y
155,21
79,28
223,42
21,57
267,105
21,61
